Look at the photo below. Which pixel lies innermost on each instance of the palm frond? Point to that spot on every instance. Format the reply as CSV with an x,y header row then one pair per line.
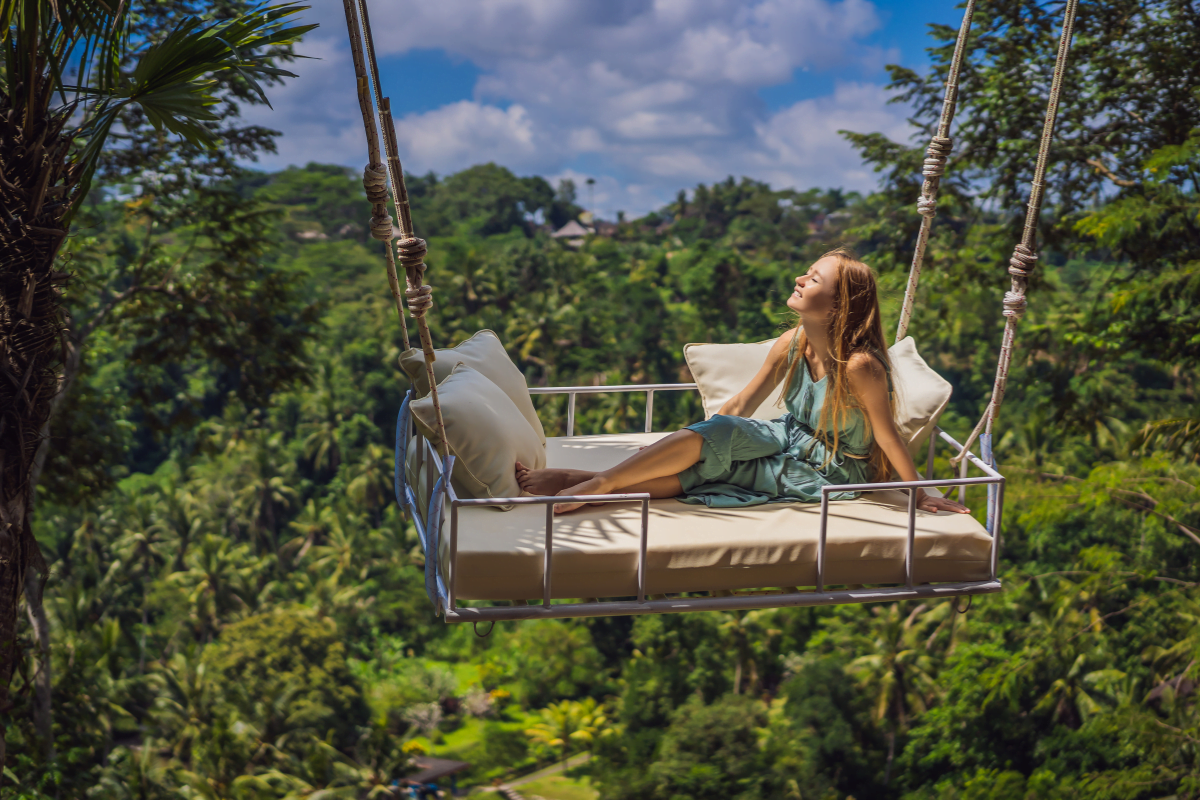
x,y
172,80
1179,437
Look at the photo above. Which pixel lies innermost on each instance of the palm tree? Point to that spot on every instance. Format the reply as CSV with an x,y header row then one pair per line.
x,y
371,485
179,520
568,721
900,671
217,582
1076,695
268,489
322,447
52,134
142,550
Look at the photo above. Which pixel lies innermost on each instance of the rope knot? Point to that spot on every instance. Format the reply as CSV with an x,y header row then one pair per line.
x,y
927,206
420,300
1022,262
375,183
1014,304
381,227
411,252
936,155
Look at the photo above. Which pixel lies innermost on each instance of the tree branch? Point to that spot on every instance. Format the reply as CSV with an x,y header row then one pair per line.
x,y
1108,173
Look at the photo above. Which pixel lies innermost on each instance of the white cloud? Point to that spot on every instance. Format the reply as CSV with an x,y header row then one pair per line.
x,y
803,140
468,132
660,92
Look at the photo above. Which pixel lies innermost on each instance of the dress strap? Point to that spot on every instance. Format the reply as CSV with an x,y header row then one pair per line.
x,y
886,368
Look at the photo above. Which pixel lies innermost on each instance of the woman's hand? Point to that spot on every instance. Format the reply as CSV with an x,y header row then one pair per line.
x,y
929,502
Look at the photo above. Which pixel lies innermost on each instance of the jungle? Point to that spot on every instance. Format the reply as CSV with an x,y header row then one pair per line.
x,y
234,606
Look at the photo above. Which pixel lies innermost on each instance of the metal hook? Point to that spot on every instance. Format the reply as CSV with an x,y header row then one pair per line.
x,y
970,599
475,627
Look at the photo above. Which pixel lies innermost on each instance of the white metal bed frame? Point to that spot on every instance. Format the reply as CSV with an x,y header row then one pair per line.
x,y
443,499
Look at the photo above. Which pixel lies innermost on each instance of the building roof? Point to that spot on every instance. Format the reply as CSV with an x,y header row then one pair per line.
x,y
572,229
433,768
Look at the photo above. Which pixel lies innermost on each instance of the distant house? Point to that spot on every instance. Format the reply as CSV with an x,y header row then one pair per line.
x,y
573,232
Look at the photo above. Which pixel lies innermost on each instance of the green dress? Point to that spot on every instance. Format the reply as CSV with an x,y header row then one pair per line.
x,y
747,462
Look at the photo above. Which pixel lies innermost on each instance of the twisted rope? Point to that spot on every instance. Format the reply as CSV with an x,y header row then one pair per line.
x,y
1025,255
935,166
412,258
409,249
375,173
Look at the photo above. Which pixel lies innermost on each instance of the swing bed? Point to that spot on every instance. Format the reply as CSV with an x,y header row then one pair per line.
x,y
625,554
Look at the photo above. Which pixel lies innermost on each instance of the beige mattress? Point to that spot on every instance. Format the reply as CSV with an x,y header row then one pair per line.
x,y
696,548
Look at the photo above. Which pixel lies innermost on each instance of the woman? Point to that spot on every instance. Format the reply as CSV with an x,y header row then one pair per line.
x,y
839,427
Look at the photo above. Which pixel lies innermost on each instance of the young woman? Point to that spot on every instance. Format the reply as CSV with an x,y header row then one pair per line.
x,y
839,426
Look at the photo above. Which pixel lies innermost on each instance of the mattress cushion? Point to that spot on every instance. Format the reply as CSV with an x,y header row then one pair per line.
x,y
696,548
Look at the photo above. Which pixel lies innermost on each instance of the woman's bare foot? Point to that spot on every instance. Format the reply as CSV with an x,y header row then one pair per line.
x,y
590,486
542,481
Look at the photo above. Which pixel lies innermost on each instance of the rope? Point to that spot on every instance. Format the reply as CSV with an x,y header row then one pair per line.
x,y
375,173
411,250
935,166
1025,255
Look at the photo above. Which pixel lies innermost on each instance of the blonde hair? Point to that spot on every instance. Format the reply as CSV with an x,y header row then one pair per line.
x,y
855,326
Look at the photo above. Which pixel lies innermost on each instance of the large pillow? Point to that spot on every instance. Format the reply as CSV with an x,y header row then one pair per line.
x,y
484,353
485,431
921,394
723,370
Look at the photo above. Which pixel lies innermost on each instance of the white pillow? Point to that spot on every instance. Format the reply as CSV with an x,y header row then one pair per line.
x,y
484,353
485,431
921,394
723,370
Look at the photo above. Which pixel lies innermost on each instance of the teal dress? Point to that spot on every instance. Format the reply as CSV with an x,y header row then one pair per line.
x,y
747,462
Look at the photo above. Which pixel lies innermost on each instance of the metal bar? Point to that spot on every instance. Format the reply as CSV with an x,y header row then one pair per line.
x,y
734,603
417,521
948,439
985,445
642,551
628,387
452,601
432,528
436,460
909,554
996,532
571,414
549,556
544,499
929,457
918,484
962,487
649,410
821,540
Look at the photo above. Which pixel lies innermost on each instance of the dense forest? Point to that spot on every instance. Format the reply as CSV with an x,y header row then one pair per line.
x,y
235,606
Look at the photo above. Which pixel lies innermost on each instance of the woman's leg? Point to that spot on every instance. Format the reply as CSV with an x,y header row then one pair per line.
x,y
549,480
653,470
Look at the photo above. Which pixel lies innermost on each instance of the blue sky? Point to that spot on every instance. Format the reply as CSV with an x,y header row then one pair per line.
x,y
646,96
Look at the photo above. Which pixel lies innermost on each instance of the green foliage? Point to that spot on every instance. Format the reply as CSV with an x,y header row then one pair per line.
x,y
712,752
289,671
238,609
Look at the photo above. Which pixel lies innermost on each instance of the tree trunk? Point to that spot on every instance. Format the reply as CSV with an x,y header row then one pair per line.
x,y
34,196
887,771
43,715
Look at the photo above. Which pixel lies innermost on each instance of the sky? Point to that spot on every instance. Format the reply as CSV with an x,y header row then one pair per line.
x,y
646,96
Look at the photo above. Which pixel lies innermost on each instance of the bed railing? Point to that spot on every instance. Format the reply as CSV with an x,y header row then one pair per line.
x,y
442,498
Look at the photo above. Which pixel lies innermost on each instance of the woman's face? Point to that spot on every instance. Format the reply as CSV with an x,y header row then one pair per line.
x,y
814,293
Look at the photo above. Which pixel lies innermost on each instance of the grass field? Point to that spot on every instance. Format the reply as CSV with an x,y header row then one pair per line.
x,y
558,787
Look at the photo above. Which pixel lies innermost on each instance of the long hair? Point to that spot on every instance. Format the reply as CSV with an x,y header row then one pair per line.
x,y
855,326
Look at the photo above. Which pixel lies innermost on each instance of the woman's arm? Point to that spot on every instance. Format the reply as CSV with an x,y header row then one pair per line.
x,y
745,402
868,381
